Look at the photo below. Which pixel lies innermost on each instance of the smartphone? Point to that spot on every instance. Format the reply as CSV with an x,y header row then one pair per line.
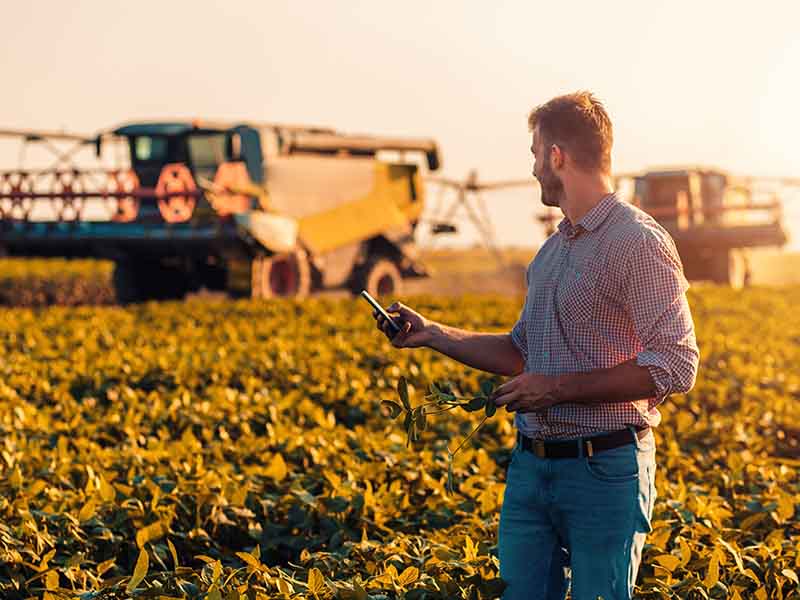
x,y
374,303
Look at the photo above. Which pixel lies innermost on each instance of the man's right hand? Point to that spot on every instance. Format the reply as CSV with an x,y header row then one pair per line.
x,y
414,328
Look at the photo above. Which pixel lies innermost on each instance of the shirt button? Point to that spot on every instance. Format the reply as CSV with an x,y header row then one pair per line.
x,y
546,354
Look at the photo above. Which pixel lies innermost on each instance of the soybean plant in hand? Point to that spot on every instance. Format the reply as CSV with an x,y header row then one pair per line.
x,y
441,399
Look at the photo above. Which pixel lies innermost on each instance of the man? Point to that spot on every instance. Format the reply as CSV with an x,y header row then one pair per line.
x,y
605,335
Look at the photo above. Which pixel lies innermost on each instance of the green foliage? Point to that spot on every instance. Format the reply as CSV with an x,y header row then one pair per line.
x,y
440,402
243,449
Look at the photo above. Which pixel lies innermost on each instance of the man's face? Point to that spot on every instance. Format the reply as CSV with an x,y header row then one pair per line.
x,y
551,186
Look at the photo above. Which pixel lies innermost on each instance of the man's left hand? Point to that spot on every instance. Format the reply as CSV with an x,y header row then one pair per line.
x,y
526,393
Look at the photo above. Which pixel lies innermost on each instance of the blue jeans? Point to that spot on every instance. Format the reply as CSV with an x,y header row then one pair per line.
x,y
587,515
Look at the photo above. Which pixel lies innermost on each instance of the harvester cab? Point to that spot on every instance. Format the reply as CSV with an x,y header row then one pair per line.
x,y
273,210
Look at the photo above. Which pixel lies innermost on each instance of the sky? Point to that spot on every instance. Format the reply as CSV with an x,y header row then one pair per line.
x,y
685,82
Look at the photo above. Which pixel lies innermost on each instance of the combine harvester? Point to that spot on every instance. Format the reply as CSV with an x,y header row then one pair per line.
x,y
715,218
262,209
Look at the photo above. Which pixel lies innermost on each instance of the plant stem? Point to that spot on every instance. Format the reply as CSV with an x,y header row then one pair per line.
x,y
466,439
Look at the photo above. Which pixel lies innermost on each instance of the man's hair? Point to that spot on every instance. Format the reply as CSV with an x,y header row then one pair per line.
x,y
579,123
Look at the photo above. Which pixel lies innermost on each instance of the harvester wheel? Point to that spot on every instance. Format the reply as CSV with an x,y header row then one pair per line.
x,y
731,267
380,277
285,275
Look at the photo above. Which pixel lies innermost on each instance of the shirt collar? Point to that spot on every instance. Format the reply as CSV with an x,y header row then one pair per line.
x,y
592,219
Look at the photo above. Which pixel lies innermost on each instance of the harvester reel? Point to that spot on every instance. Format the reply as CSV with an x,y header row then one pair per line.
x,y
125,208
16,182
175,191
230,177
65,185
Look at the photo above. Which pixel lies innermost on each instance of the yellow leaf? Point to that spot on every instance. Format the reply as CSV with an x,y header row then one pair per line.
x,y
139,571
45,560
470,549
51,580
149,533
277,468
761,593
173,552
105,566
686,552
316,582
107,491
206,559
790,574
36,488
712,575
660,538
87,511
239,496
668,561
216,572
785,506
408,576
748,523
16,478
249,559
284,587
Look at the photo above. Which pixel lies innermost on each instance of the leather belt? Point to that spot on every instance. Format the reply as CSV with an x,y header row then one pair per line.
x,y
572,448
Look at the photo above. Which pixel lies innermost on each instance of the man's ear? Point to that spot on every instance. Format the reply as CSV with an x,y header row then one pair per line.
x,y
556,157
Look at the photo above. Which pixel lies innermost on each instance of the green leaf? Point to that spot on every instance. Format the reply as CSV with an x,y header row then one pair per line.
x,y
393,407
487,387
421,418
409,421
476,403
139,571
491,408
402,391
446,387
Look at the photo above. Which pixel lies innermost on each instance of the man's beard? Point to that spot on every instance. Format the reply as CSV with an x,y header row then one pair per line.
x,y
552,189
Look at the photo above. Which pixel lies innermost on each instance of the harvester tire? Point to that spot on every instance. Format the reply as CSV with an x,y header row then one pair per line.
x,y
285,275
732,268
380,277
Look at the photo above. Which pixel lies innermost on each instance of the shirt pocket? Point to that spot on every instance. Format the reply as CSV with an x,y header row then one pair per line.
x,y
576,294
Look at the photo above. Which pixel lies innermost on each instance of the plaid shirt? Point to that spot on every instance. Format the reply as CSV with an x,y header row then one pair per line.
x,y
602,292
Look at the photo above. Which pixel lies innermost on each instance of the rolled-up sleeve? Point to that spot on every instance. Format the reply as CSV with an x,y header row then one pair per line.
x,y
655,298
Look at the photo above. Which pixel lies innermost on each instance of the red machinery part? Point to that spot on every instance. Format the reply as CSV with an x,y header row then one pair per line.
x,y
230,176
124,209
11,184
175,192
65,185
